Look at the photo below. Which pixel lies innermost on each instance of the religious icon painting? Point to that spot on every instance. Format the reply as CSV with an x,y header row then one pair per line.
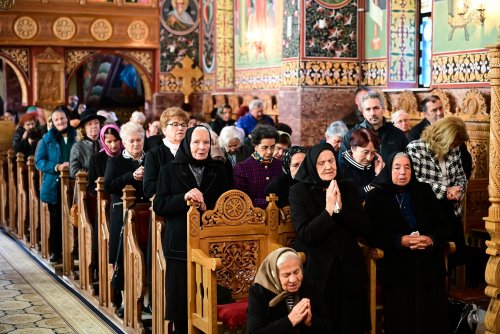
x,y
333,3
180,17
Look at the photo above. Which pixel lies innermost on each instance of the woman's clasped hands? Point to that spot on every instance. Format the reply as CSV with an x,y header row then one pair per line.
x,y
301,313
333,199
416,241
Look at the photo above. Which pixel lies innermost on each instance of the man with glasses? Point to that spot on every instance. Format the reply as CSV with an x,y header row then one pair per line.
x,y
391,138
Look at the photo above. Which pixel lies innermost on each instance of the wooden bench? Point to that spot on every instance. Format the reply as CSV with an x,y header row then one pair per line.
x,y
22,197
11,170
3,189
33,204
225,247
44,224
85,232
133,259
68,233
158,273
106,298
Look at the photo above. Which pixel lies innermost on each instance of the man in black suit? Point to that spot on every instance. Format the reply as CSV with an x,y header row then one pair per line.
x,y
432,107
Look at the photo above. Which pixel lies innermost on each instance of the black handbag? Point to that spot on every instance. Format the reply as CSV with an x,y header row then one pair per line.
x,y
117,278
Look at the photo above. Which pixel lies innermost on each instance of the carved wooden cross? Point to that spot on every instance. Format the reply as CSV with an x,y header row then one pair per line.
x,y
187,73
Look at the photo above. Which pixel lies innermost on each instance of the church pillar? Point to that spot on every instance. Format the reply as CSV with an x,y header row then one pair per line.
x,y
492,222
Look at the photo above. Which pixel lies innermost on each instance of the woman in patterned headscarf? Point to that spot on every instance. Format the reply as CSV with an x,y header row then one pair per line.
x,y
281,300
280,186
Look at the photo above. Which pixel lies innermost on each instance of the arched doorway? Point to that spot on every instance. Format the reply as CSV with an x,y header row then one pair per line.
x,y
111,82
13,86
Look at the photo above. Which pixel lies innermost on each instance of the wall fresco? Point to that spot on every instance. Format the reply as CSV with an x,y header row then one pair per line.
x,y
291,29
331,32
403,57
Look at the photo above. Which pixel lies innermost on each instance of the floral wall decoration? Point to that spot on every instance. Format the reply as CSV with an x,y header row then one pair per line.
x,y
331,32
174,48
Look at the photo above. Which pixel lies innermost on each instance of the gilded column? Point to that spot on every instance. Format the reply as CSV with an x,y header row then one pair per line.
x,y
492,222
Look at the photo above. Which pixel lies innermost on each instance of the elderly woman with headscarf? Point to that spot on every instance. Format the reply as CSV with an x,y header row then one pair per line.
x,y
253,175
124,169
231,140
192,175
280,186
88,142
328,217
282,300
410,227
437,161
51,157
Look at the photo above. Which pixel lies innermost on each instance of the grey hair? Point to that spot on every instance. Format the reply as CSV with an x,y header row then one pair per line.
x,y
372,95
286,256
337,128
402,154
398,113
229,132
130,128
138,116
256,103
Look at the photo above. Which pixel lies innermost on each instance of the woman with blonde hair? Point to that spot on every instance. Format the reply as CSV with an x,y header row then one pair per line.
x,y
436,157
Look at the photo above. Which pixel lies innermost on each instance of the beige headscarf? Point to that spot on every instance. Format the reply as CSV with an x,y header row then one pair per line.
x,y
268,275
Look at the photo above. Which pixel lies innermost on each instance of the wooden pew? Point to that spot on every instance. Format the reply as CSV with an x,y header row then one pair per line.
x,y
105,268
134,263
3,189
44,224
11,169
68,242
85,232
22,197
226,249
33,203
158,272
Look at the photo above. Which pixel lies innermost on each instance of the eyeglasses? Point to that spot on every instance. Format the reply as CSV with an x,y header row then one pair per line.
x,y
176,125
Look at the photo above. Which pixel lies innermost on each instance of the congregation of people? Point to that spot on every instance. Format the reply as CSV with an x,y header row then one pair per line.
x,y
371,180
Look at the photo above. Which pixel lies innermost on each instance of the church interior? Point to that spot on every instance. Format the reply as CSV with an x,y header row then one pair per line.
x,y
303,58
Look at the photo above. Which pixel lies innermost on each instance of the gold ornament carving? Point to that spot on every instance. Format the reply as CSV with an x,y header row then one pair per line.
x,y
138,31
234,208
145,58
374,73
327,73
269,78
478,149
474,106
407,101
239,263
74,58
25,27
460,68
101,30
49,54
64,28
445,100
20,57
290,73
7,4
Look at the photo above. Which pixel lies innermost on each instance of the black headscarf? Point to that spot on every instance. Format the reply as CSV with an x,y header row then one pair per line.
x,y
307,172
287,157
384,179
184,156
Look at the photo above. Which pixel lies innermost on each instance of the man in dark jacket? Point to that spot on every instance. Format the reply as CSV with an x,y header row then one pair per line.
x,y
391,138
432,107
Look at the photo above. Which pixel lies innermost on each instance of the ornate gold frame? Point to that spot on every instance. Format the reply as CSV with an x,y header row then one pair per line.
x,y
49,82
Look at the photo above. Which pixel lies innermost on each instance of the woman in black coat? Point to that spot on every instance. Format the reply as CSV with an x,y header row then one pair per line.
x,y
410,227
124,169
327,218
192,175
281,300
280,186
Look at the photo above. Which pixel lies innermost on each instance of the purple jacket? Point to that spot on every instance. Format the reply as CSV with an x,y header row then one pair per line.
x,y
252,177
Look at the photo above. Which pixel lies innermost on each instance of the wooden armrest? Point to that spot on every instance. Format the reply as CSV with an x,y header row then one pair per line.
x,y
371,252
198,256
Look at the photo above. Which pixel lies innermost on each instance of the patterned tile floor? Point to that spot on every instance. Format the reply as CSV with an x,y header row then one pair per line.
x,y
32,301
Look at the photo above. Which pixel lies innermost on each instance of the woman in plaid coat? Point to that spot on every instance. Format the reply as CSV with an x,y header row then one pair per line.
x,y
436,158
